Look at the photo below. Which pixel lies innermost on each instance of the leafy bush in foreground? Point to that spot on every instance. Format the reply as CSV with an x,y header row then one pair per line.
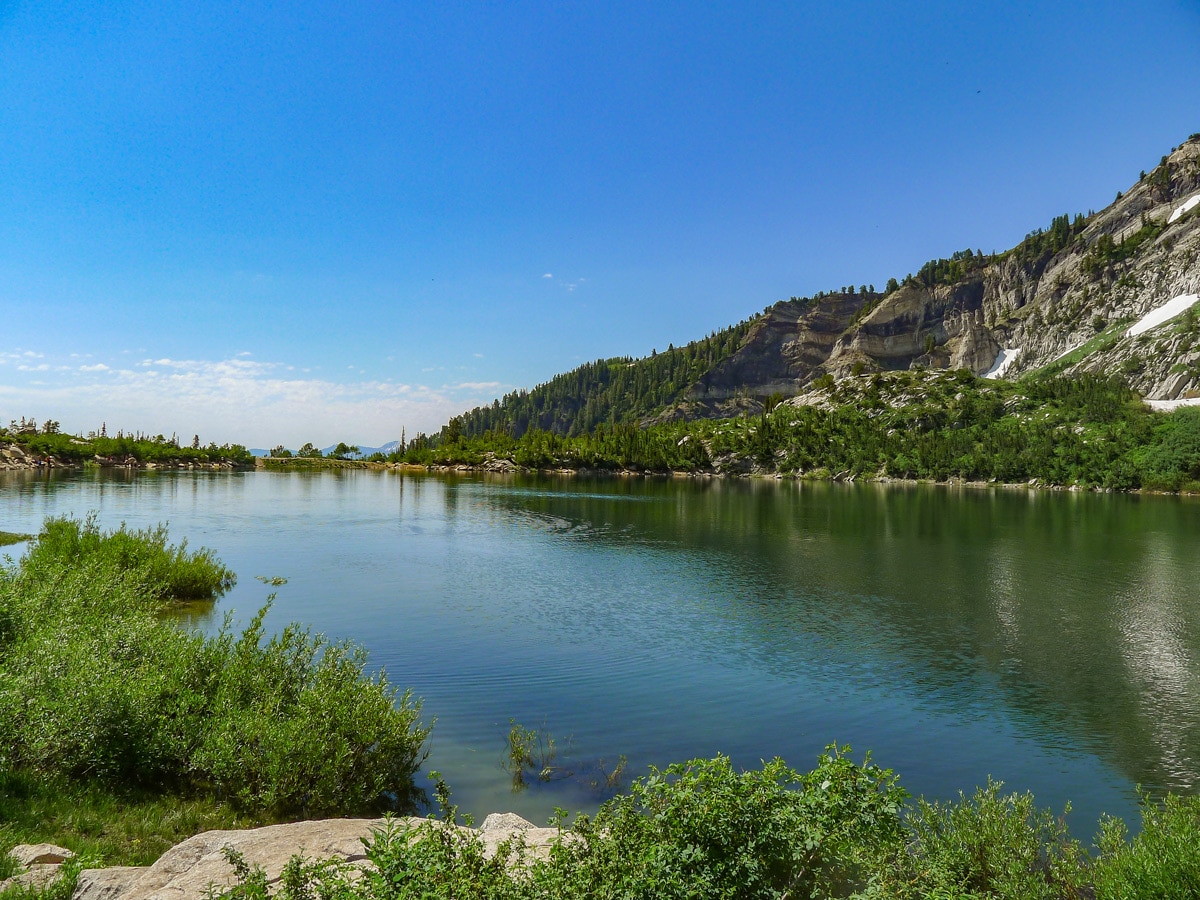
x,y
986,845
703,830
1163,861
95,686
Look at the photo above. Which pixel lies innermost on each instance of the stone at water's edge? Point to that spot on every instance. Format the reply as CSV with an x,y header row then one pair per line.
x,y
188,870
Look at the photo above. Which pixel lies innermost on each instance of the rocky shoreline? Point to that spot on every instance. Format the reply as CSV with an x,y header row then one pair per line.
x,y
191,870
13,456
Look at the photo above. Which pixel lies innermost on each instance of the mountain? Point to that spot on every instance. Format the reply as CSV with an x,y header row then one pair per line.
x,y
1104,292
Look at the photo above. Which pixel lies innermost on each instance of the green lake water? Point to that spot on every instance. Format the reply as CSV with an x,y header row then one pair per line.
x,y
1051,640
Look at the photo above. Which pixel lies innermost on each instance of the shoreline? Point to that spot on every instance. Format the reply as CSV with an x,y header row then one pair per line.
x,y
283,464
13,458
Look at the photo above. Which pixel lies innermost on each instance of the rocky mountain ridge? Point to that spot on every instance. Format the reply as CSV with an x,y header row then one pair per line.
x,y
1064,297
1071,298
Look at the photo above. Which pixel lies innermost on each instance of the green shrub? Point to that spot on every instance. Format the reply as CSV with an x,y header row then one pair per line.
x,y
701,829
297,726
1172,456
159,570
95,686
1163,861
986,845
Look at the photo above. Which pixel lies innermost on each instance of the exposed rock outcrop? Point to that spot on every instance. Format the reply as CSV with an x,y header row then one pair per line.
x,y
190,869
1074,289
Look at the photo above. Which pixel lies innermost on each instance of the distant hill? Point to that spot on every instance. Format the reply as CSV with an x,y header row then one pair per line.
x,y
364,451
1093,292
607,390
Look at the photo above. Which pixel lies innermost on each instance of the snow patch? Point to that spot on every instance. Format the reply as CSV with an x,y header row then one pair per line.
x,y
1168,405
1189,204
1004,359
1164,313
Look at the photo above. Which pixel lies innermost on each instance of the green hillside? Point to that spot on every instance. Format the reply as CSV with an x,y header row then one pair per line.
x,y
608,391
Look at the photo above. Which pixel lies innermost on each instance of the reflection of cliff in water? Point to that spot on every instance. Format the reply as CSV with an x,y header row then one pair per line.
x,y
1076,609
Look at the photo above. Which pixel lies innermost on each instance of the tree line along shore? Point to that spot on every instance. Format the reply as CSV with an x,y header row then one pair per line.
x,y
1086,431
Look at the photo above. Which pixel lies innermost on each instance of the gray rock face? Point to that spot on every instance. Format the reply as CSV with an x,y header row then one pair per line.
x,y
971,344
106,884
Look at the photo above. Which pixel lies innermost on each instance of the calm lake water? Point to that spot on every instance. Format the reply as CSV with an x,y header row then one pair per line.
x,y
1051,640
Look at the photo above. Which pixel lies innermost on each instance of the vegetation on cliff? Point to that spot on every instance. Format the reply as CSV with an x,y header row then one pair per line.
x,y
101,695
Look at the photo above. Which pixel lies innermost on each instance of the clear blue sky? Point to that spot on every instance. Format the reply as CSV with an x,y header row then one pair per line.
x,y
279,222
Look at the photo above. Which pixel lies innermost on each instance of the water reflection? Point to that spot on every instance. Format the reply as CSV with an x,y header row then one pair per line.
x,y
1048,638
1076,608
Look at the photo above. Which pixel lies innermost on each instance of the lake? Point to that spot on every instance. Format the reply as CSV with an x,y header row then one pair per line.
x,y
1048,639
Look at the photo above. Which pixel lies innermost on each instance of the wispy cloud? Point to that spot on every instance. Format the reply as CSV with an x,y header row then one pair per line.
x,y
238,399
474,386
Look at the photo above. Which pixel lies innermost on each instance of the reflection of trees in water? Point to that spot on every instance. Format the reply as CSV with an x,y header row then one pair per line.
x,y
1077,606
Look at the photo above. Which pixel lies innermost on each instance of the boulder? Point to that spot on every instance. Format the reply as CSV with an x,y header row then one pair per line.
x,y
191,869
36,876
38,854
505,822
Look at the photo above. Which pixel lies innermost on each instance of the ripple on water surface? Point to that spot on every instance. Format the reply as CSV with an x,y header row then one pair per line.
x,y
1050,640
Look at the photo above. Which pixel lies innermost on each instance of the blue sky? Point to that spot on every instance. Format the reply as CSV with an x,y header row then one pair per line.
x,y
281,222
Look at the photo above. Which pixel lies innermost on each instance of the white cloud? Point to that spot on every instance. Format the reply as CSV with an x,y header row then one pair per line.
x,y
235,400
547,275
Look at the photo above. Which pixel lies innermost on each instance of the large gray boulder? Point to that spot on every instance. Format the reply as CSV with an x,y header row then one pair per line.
x,y
190,869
